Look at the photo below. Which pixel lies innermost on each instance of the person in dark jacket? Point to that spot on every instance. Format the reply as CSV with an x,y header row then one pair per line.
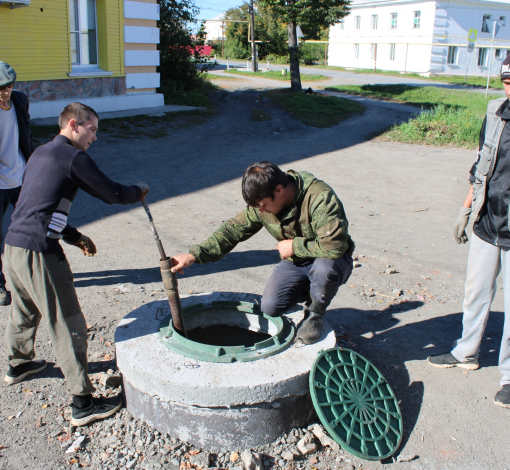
x,y
16,146
41,278
487,204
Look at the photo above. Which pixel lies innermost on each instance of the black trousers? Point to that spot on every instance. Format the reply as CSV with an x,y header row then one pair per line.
x,y
7,196
290,284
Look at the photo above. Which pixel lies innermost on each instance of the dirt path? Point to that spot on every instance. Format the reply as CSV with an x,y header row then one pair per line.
x,y
401,201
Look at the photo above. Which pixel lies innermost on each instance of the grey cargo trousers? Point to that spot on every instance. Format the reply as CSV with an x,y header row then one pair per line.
x,y
42,286
485,261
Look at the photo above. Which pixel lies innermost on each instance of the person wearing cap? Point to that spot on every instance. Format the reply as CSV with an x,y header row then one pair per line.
x,y
487,204
16,146
40,276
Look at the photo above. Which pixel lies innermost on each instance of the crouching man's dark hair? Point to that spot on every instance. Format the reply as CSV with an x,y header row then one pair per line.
x,y
78,111
260,181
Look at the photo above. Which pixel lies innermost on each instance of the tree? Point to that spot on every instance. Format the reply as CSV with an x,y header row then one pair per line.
x,y
178,56
312,16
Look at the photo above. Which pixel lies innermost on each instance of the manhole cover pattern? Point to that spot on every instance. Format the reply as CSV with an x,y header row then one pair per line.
x,y
355,404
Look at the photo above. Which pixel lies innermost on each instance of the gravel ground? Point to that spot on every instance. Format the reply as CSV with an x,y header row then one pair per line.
x,y
402,303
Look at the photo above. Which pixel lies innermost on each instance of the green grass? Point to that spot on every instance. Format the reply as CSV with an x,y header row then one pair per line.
x,y
276,75
315,110
175,93
481,82
212,76
260,115
454,117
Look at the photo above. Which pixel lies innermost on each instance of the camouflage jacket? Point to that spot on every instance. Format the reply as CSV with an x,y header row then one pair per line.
x,y
315,221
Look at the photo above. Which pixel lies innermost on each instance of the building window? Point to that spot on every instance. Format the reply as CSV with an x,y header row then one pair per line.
x,y
499,53
417,18
83,29
342,24
502,20
357,22
482,56
392,51
452,55
485,23
373,48
393,21
356,51
374,21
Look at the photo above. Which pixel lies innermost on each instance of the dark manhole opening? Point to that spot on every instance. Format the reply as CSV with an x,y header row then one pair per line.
x,y
226,335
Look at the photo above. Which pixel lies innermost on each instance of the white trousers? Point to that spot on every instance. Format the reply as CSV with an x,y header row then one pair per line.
x,y
485,261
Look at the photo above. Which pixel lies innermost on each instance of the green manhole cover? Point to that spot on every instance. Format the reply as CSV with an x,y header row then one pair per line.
x,y
355,404
235,318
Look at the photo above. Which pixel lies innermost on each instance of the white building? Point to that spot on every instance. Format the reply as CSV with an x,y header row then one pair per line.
x,y
422,36
213,28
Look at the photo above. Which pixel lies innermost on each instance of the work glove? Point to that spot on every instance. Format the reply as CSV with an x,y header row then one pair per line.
x,y
459,231
86,245
144,187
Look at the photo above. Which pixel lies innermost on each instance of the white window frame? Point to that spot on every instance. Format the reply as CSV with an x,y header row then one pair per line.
x,y
485,23
356,51
393,47
453,55
79,39
374,21
372,51
417,20
393,20
498,53
357,22
482,56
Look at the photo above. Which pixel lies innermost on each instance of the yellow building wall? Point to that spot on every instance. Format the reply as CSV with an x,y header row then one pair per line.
x,y
36,42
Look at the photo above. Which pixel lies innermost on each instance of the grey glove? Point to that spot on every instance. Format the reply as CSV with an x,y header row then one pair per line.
x,y
459,231
144,187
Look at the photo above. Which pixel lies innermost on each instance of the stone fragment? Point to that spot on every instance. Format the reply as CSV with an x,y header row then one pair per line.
x,y
107,380
326,441
55,433
390,271
234,456
397,292
356,264
306,446
288,456
251,460
175,462
200,460
292,439
139,444
131,464
108,441
406,458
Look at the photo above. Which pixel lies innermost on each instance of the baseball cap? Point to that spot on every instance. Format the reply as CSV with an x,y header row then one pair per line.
x,y
505,69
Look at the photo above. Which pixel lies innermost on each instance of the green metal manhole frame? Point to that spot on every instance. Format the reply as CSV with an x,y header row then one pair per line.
x,y
355,404
177,343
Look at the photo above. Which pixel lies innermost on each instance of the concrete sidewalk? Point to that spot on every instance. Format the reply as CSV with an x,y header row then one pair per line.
x,y
169,108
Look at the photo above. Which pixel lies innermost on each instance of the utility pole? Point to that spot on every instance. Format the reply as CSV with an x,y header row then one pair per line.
x,y
222,39
252,24
495,25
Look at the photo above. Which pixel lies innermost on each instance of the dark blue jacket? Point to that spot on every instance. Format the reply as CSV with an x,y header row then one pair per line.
x,y
20,102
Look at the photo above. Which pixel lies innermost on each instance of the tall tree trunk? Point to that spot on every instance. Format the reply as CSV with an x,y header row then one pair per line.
x,y
295,77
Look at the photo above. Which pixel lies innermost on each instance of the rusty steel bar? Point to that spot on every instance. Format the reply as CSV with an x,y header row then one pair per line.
x,y
169,279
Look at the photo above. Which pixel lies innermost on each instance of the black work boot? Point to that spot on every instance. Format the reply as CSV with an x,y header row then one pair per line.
x,y
98,408
502,398
310,330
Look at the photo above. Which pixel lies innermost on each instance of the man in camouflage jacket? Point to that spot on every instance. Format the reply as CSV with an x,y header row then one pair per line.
x,y
309,223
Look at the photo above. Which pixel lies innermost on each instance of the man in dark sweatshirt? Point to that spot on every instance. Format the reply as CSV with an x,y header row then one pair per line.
x,y
41,278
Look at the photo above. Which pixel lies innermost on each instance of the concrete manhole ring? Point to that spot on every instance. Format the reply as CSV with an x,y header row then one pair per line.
x,y
209,404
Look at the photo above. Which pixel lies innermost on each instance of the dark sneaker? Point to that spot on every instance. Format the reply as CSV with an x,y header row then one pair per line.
x,y
99,409
445,361
19,373
310,330
502,398
5,297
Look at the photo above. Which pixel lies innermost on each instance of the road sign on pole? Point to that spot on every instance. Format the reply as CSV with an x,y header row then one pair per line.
x,y
471,47
473,35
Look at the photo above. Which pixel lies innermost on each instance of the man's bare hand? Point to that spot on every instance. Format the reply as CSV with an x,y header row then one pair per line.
x,y
180,262
86,245
285,249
